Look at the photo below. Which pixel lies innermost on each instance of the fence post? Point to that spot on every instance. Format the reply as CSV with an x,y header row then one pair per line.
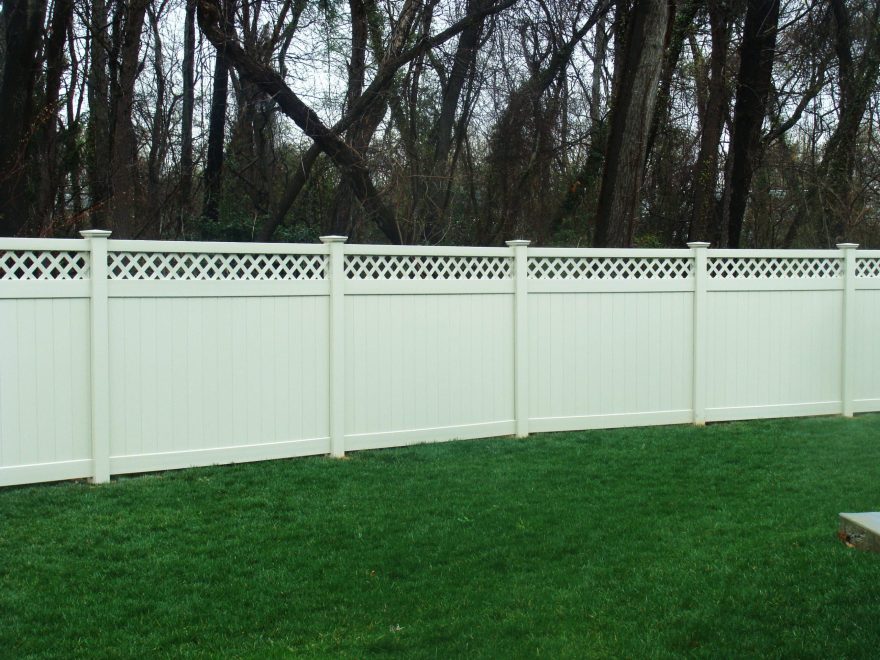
x,y
847,364
100,354
336,276
521,336
700,256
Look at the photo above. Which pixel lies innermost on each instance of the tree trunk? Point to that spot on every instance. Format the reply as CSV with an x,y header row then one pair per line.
x,y
50,179
431,206
21,70
857,81
217,124
125,184
705,225
186,116
631,113
98,138
344,210
753,85
591,170
158,138
600,47
682,20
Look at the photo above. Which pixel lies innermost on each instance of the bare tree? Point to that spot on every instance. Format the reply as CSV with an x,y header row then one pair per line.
x,y
23,22
753,85
225,13
857,79
631,112
351,164
705,223
186,119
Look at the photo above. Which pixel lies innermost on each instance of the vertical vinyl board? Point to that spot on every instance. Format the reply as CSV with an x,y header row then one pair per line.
x,y
597,354
223,372
427,361
867,348
44,381
771,348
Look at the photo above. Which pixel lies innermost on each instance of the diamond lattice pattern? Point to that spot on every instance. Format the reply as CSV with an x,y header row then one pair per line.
x,y
609,268
44,265
763,268
417,267
197,266
868,267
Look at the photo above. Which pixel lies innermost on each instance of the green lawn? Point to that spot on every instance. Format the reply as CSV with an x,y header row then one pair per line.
x,y
636,542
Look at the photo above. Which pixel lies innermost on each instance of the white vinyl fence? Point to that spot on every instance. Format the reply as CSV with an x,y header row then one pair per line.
x,y
131,356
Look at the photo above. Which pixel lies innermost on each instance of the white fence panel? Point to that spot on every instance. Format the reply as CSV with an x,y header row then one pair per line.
x,y
196,381
774,334
44,362
427,368
218,354
610,338
867,348
773,354
44,391
866,333
609,359
428,345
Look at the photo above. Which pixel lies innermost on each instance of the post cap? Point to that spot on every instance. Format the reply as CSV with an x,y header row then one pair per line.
x,y
518,243
333,238
847,246
95,233
698,244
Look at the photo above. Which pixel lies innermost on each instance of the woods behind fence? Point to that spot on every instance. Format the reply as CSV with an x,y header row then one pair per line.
x,y
608,123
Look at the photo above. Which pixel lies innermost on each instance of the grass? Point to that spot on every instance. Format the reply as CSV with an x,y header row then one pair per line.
x,y
634,542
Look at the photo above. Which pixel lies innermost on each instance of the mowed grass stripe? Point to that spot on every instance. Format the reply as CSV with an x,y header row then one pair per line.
x,y
640,542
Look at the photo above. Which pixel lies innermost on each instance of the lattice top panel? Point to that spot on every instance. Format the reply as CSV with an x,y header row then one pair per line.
x,y
199,266
610,268
423,267
868,267
28,265
766,268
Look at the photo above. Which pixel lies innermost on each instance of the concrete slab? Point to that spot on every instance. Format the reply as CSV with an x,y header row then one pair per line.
x,y
861,530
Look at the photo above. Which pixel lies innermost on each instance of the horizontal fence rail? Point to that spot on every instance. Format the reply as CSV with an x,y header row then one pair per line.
x,y
132,356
